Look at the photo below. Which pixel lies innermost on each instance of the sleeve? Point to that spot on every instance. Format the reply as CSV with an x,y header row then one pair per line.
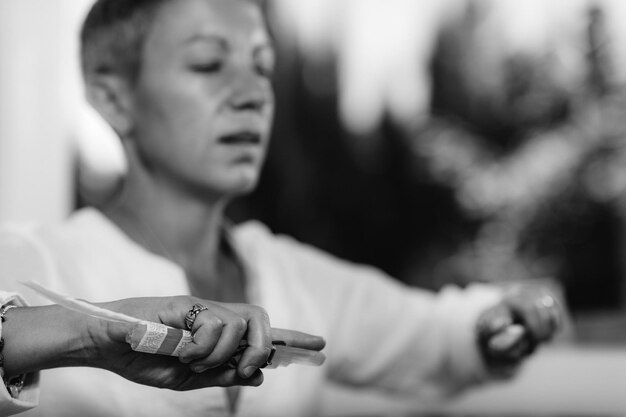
x,y
21,259
384,334
29,396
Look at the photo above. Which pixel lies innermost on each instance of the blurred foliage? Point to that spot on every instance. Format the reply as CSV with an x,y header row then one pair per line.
x,y
520,177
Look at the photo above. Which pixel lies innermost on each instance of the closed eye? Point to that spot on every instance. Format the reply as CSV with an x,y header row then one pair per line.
x,y
264,60
207,68
265,70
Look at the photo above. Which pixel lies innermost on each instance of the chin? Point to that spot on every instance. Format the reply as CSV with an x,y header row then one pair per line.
x,y
241,186
244,190
229,182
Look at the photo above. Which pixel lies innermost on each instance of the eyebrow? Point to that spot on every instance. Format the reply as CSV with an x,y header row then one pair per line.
x,y
208,38
223,43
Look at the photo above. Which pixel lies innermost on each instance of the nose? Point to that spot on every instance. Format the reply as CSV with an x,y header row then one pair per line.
x,y
251,93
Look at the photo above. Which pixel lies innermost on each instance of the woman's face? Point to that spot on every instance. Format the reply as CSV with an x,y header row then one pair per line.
x,y
203,103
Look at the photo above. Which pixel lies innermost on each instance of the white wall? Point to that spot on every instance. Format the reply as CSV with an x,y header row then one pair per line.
x,y
40,97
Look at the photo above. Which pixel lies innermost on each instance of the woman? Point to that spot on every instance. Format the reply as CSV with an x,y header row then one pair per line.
x,y
186,86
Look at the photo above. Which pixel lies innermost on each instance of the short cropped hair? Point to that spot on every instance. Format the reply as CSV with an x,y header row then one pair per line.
x,y
113,36
114,33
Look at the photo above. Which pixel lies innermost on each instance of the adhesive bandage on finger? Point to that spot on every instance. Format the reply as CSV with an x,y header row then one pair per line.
x,y
156,338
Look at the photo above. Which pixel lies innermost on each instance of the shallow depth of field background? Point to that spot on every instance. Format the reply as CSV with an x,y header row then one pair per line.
x,y
444,141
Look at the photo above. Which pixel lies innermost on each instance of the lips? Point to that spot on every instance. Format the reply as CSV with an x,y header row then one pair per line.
x,y
241,138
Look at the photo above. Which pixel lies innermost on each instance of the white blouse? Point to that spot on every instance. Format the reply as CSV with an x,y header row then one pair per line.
x,y
380,333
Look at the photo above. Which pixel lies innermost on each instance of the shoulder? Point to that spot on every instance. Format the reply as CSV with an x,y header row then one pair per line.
x,y
302,260
256,237
251,230
79,225
23,257
29,241
60,255
87,221
85,234
19,242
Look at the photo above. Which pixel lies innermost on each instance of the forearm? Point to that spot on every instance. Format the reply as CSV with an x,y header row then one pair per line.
x,y
37,338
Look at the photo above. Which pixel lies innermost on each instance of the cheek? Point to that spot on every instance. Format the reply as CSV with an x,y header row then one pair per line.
x,y
174,113
164,107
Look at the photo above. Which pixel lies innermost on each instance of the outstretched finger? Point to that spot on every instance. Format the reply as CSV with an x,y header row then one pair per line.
x,y
299,339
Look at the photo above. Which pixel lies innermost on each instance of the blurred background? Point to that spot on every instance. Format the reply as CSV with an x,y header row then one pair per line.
x,y
443,141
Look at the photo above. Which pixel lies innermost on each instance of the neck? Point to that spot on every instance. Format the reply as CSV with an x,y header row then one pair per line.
x,y
171,223
181,224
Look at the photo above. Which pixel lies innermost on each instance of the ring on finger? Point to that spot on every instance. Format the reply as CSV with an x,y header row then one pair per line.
x,y
551,312
191,315
547,301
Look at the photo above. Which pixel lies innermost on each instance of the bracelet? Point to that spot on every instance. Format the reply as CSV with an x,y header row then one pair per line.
x,y
14,384
3,311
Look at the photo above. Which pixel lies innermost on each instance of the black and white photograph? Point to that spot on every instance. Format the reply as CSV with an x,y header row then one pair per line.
x,y
313,208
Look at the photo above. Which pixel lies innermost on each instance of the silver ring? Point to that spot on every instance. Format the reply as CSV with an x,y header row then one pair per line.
x,y
550,308
547,301
190,317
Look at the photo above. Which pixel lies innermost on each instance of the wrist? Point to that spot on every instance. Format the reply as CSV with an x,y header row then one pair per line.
x,y
44,337
104,339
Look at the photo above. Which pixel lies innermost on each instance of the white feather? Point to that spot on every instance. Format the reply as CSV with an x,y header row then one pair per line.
x,y
82,306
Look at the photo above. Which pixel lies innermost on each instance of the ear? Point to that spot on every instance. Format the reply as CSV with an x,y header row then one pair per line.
x,y
111,96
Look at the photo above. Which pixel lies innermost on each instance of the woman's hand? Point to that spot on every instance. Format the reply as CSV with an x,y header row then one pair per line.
x,y
527,316
218,332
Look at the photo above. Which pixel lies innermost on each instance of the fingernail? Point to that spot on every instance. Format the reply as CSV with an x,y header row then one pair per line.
x,y
507,338
199,368
249,371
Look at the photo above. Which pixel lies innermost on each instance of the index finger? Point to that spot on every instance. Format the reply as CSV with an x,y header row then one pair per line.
x,y
298,339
